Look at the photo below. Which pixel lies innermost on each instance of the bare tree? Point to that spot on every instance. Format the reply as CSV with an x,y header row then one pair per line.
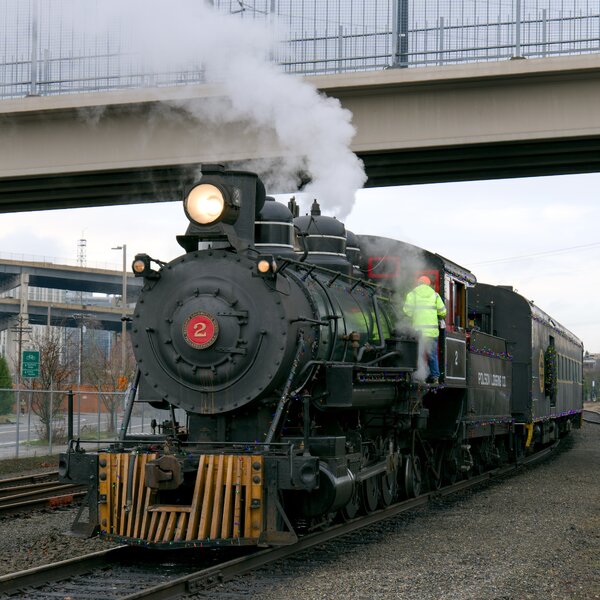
x,y
6,394
104,370
55,374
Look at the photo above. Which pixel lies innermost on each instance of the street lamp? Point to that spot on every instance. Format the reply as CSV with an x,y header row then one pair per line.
x,y
81,317
124,307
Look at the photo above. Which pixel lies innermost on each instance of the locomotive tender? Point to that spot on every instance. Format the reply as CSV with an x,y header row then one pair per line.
x,y
282,340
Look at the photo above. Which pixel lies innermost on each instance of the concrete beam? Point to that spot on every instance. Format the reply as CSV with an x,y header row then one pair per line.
x,y
62,314
67,277
512,118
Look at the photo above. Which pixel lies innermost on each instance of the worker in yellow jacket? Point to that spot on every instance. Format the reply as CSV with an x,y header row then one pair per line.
x,y
425,307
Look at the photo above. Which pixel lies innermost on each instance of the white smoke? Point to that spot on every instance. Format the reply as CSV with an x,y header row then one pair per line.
x,y
312,132
412,262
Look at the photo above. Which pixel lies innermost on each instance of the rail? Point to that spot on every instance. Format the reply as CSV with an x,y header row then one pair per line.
x,y
28,479
25,493
591,416
197,581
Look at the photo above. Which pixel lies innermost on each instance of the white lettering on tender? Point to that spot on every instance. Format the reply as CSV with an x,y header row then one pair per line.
x,y
491,379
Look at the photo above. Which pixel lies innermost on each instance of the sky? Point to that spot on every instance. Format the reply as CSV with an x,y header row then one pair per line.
x,y
539,235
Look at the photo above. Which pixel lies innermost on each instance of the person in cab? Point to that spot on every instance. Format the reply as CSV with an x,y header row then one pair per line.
x,y
425,308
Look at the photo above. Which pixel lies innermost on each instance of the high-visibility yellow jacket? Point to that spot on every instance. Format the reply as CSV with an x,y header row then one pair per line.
x,y
424,306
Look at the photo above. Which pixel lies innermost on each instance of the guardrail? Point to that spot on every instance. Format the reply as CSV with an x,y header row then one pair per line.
x,y
44,51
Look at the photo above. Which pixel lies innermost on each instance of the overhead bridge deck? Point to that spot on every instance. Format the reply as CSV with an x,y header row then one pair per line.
x,y
464,122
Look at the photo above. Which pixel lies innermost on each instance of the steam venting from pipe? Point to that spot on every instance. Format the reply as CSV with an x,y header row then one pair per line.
x,y
312,133
413,262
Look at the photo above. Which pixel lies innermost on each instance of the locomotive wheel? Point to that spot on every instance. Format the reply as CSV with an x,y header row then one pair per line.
x,y
503,451
450,465
435,469
389,488
478,464
351,509
370,494
412,476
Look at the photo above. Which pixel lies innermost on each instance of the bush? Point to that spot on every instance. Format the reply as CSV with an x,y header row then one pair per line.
x,y
6,397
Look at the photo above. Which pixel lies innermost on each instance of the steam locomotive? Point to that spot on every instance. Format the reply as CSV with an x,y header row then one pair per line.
x,y
281,340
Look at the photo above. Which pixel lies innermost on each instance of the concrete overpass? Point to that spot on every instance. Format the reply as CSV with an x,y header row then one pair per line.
x,y
61,315
474,121
66,277
18,310
21,275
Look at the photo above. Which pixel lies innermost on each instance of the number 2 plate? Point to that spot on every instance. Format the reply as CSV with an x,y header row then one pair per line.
x,y
200,330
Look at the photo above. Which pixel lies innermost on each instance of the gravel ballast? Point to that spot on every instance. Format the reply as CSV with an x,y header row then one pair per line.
x,y
535,535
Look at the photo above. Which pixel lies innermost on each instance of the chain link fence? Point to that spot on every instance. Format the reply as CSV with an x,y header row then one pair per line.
x,y
55,47
39,426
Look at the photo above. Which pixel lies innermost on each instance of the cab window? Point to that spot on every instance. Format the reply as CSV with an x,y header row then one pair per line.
x,y
455,300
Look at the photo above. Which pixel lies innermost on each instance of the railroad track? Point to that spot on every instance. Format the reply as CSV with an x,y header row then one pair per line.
x,y
20,494
591,416
28,479
126,573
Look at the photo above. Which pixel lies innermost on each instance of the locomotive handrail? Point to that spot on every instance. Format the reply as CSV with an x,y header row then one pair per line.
x,y
285,395
301,319
381,344
129,403
117,443
310,267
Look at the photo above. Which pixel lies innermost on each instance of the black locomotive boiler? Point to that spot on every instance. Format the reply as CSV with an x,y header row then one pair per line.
x,y
282,341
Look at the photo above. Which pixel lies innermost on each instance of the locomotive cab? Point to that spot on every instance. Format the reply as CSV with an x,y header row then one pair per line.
x,y
398,265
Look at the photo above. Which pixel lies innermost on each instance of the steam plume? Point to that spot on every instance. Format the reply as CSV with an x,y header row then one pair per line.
x,y
313,132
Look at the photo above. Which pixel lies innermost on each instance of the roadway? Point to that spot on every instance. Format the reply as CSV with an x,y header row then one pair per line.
x,y
30,445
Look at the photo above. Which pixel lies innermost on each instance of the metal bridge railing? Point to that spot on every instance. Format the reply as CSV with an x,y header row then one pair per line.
x,y
45,49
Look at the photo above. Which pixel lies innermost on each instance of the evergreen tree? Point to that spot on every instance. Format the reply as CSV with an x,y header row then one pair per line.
x,y
6,397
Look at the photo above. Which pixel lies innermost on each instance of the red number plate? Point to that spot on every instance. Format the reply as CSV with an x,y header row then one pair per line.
x,y
200,330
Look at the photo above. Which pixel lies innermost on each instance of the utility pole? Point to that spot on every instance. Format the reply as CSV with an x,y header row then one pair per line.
x,y
124,311
81,318
19,329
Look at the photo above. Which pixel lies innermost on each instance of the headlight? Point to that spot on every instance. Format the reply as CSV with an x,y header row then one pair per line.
x,y
142,267
139,266
205,204
266,266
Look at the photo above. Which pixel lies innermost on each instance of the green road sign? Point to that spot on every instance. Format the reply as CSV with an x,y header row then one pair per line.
x,y
30,364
